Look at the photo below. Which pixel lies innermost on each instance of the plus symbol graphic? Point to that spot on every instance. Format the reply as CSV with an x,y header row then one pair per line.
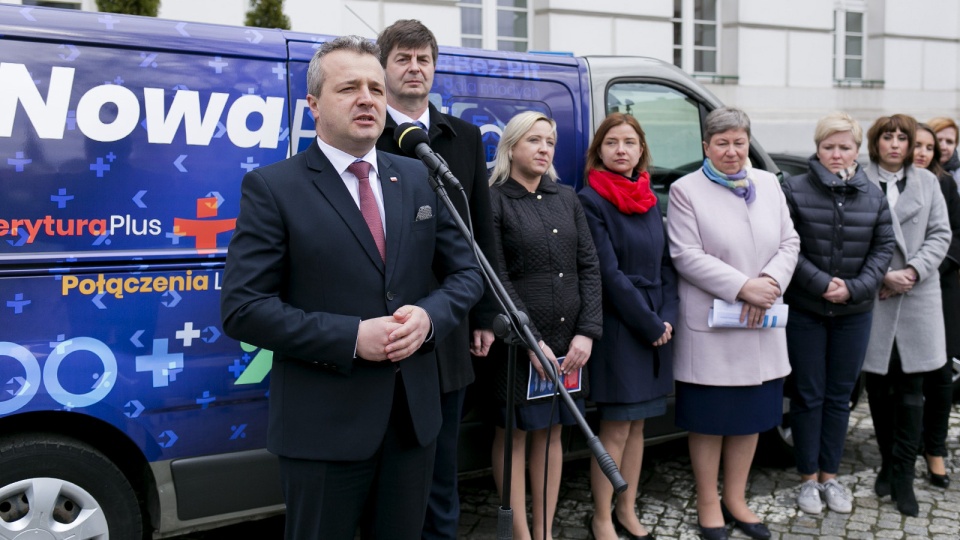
x,y
279,70
100,167
204,230
218,64
174,237
237,368
205,400
19,161
109,20
249,165
164,365
61,198
188,334
17,303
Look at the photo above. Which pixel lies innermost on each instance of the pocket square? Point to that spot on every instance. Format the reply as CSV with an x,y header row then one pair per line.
x,y
425,212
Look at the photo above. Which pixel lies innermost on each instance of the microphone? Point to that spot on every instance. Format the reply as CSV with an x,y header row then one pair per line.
x,y
413,141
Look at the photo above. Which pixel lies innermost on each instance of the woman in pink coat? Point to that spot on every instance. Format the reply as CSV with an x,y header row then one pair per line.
x,y
731,238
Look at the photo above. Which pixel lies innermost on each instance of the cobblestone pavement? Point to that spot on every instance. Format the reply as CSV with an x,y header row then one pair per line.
x,y
668,507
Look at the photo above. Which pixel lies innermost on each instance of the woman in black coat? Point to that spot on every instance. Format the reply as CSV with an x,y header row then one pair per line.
x,y
631,370
938,384
846,243
548,266
947,133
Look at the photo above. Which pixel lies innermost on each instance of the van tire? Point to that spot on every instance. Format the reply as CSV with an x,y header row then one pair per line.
x,y
86,495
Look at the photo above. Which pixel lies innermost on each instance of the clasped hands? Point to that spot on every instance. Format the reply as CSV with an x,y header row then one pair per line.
x,y
837,292
393,337
576,357
898,282
758,295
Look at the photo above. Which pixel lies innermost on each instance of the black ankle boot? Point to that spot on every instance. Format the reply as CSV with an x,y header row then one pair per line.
x,y
901,490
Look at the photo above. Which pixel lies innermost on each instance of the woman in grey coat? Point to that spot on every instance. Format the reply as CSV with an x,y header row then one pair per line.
x,y
907,334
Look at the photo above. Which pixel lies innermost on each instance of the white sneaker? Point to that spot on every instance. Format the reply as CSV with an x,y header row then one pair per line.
x,y
809,498
838,499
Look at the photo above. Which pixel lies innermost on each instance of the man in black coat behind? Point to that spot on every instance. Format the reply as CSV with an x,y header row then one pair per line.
x,y
408,53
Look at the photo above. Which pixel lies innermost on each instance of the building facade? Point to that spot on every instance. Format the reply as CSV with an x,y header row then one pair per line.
x,y
787,63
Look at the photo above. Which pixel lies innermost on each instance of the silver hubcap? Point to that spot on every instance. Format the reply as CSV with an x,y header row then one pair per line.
x,y
50,509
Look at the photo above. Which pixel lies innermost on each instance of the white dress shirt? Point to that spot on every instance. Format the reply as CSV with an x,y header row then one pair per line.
x,y
341,160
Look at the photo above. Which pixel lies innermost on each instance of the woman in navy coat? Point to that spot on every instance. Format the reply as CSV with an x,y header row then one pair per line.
x,y
630,370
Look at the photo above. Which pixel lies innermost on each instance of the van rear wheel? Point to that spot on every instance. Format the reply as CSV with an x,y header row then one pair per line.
x,y
60,488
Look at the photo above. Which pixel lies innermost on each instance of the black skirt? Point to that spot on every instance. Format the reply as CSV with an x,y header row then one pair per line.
x,y
729,410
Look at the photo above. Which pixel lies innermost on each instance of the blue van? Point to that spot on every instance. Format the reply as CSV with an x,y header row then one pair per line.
x,y
124,410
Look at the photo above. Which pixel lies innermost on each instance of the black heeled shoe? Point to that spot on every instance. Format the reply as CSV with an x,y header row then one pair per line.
x,y
712,533
939,480
754,530
623,530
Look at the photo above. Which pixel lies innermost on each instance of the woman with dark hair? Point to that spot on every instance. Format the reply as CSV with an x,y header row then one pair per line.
x,y
846,242
548,266
731,239
938,384
630,371
947,132
907,335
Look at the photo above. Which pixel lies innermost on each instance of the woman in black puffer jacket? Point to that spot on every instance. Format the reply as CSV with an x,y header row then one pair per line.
x,y
846,242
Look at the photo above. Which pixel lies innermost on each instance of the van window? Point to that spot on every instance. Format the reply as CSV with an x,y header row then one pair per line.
x,y
671,122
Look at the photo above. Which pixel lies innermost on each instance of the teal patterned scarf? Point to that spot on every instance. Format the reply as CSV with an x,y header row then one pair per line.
x,y
740,183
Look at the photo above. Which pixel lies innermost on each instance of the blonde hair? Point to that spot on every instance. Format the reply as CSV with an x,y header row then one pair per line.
x,y
516,128
837,122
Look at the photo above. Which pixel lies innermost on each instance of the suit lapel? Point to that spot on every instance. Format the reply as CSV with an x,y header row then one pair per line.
x,y
331,186
910,201
392,189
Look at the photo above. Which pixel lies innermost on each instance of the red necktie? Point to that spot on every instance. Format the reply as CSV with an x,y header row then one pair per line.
x,y
368,205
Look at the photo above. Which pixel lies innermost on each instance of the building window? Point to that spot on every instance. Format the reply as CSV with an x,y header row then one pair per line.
x,y
848,43
63,4
502,25
695,35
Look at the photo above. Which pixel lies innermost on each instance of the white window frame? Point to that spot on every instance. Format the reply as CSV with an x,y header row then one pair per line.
x,y
489,11
840,56
687,43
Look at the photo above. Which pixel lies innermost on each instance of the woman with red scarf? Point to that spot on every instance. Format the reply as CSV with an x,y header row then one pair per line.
x,y
630,370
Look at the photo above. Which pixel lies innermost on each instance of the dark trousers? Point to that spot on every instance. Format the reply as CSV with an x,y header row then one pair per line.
x,y
937,402
896,406
443,507
826,354
385,495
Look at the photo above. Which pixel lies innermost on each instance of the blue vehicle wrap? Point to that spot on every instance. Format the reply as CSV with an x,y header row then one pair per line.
x,y
123,141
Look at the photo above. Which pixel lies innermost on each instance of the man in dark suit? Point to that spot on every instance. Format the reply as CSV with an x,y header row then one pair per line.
x,y
331,267
408,53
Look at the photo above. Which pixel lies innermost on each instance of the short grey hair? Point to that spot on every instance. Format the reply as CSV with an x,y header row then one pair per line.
x,y
516,128
354,44
725,119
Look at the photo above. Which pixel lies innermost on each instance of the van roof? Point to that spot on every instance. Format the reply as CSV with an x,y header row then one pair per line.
x,y
127,31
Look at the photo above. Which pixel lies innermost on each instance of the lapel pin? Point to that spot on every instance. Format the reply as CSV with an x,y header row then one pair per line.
x,y
393,178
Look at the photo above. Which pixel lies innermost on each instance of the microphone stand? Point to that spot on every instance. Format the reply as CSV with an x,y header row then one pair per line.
x,y
514,328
